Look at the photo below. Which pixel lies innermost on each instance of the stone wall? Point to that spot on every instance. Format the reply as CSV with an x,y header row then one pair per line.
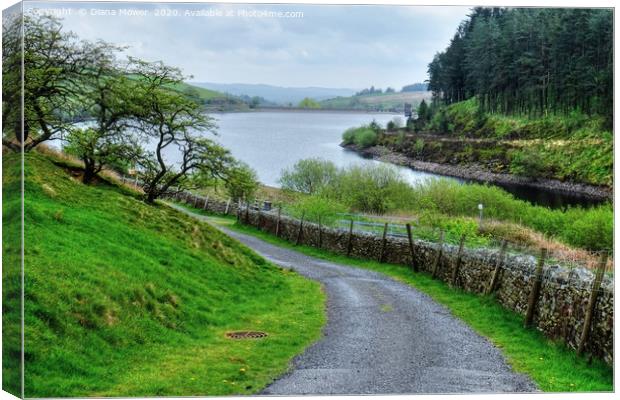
x,y
560,308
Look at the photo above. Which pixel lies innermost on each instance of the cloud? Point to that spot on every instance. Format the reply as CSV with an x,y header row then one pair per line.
x,y
332,45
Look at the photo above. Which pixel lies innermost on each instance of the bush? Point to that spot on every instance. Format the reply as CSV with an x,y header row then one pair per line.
x,y
315,207
242,182
364,136
418,146
309,175
591,229
443,203
439,122
400,139
376,188
528,163
348,137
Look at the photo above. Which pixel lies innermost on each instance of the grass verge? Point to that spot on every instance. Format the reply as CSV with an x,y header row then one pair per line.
x,y
127,299
553,366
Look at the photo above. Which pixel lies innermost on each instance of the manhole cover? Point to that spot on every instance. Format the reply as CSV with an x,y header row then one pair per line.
x,y
246,335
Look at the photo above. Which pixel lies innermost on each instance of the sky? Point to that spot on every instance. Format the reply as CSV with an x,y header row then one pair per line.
x,y
313,45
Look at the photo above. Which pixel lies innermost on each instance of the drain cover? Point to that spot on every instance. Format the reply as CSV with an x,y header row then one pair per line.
x,y
246,335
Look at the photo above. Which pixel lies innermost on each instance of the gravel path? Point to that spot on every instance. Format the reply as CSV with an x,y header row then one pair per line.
x,y
384,337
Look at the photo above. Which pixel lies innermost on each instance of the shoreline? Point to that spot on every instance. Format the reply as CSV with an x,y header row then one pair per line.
x,y
477,173
305,110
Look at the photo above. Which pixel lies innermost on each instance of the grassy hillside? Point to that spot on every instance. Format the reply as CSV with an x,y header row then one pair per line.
x,y
126,299
202,93
377,102
212,99
11,277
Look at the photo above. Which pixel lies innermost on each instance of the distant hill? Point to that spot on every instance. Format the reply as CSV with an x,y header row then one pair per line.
x,y
377,102
276,94
214,100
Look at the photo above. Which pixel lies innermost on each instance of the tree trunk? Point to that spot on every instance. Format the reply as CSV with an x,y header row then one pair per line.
x,y
151,197
89,171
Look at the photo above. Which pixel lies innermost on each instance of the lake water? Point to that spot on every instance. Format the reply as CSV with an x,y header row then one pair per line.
x,y
272,141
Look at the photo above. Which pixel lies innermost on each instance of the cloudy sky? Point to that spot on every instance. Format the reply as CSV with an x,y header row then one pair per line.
x,y
312,45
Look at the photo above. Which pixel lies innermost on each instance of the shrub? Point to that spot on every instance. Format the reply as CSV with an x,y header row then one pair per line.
x,y
374,188
242,182
528,163
364,136
315,207
309,175
591,229
453,206
439,122
348,137
418,146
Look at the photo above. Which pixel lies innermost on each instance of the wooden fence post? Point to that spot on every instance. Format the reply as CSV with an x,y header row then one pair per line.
x,y
383,243
258,219
278,222
498,267
350,242
301,227
413,263
439,253
227,207
320,233
457,264
531,303
596,285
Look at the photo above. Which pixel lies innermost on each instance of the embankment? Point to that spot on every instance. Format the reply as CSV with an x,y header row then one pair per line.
x,y
451,165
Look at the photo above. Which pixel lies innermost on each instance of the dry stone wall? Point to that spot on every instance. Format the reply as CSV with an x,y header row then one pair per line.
x,y
560,310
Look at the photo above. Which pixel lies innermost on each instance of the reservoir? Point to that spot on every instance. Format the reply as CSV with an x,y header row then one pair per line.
x,y
270,141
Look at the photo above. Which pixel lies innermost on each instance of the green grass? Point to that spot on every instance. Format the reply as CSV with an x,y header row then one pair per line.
x,y
11,280
127,299
202,93
551,365
573,147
